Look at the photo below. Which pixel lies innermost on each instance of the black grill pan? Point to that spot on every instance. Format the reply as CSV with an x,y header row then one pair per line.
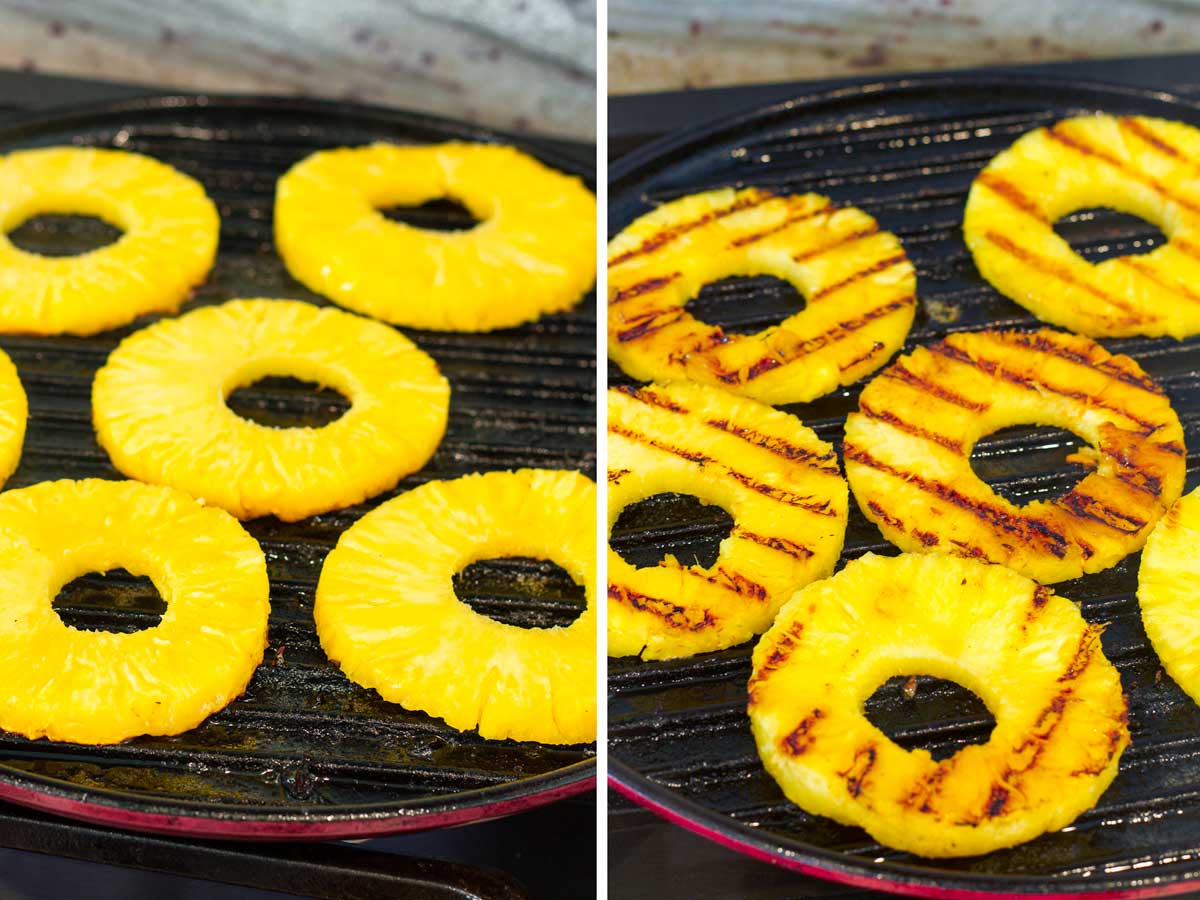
x,y
304,753
906,151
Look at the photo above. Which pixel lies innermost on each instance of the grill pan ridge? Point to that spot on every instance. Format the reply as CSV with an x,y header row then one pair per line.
x,y
304,753
679,738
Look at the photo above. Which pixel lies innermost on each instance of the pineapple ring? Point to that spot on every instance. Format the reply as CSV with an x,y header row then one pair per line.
x,y
534,251
1167,583
1027,653
775,477
387,613
14,415
168,246
160,412
100,687
860,287
1136,165
908,451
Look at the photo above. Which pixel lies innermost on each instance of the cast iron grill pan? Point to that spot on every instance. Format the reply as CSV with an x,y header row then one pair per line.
x,y
906,152
304,752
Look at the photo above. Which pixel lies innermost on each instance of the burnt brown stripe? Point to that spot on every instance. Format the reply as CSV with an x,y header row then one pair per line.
x,y
650,326
848,238
1186,247
1025,527
860,768
664,237
726,580
800,737
788,221
915,430
1173,448
1033,384
782,545
779,495
875,348
1056,270
615,475
885,517
1089,643
1150,181
643,287
899,372
1179,290
784,645
1083,506
1132,125
671,614
1010,192
1038,341
875,268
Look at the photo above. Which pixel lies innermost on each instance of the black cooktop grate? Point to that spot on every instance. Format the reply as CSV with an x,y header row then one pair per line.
x,y
304,745
906,152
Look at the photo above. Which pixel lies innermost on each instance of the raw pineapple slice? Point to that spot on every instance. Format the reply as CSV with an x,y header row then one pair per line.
x,y
99,687
1140,166
908,449
1167,591
159,407
387,613
776,478
534,251
169,242
1028,654
859,285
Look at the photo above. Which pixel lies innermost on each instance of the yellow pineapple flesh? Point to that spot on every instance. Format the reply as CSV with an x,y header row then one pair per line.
x,y
1167,591
93,687
387,613
159,407
167,248
1137,165
859,286
533,251
779,482
14,415
908,448
1028,654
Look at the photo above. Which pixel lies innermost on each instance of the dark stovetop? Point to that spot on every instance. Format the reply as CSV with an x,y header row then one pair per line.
x,y
44,857
649,858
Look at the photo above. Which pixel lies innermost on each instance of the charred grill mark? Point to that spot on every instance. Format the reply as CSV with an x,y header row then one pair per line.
x,y
834,335
1041,596
1088,644
927,538
788,498
1027,528
652,398
800,737
1179,290
670,233
670,614
1132,125
875,348
927,787
790,220
1042,344
777,657
1114,738
969,549
615,475
1033,384
1185,246
733,582
880,513
637,332
899,372
874,269
860,768
1010,192
849,237
1141,481
1057,270
643,287
996,802
782,545
900,424
1150,181
1173,447
1083,506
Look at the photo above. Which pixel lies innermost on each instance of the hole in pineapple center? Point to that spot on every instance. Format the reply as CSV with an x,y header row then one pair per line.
x,y
746,305
55,235
1099,233
442,214
280,402
678,524
1026,463
521,591
929,713
116,601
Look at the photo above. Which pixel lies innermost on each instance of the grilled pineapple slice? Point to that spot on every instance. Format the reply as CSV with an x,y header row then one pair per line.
x,y
779,482
1028,654
859,285
14,414
908,448
168,246
534,251
159,407
387,613
100,687
1167,591
1137,165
